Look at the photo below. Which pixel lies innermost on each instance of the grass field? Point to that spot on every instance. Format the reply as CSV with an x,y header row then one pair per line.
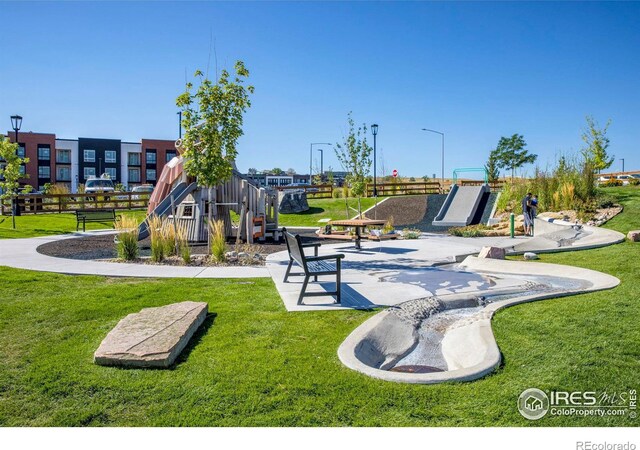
x,y
326,208
31,225
254,364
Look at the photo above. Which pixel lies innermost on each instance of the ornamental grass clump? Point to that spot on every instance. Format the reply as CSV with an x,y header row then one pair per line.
x,y
218,240
157,241
168,238
127,246
183,244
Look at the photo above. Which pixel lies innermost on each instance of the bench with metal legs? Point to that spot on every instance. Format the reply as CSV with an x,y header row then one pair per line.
x,y
312,266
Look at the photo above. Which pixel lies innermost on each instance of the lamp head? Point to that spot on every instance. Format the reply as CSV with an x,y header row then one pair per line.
x,y
16,122
374,129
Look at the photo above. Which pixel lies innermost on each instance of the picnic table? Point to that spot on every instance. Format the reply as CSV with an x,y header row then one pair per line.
x,y
359,225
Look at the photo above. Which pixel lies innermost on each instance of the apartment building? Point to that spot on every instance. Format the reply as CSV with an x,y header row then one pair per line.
x,y
72,161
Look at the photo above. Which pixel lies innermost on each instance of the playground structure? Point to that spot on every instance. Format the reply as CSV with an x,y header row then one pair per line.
x,y
463,202
179,197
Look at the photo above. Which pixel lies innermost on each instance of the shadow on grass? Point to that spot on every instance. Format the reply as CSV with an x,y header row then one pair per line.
x,y
200,333
312,210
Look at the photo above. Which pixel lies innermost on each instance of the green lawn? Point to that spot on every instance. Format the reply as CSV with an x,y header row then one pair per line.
x,y
326,208
31,225
254,364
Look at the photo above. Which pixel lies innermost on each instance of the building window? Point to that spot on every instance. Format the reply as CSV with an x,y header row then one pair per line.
x,y
89,171
63,156
89,156
63,173
134,175
151,157
44,153
170,156
23,170
21,151
151,174
111,171
44,172
110,156
134,159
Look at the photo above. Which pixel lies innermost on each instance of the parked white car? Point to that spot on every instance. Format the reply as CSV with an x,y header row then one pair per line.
x,y
144,190
625,178
96,185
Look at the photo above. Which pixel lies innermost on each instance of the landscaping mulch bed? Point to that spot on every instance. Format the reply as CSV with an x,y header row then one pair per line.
x,y
103,247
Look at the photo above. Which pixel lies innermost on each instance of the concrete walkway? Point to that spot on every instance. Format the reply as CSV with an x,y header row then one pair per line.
x,y
22,254
392,272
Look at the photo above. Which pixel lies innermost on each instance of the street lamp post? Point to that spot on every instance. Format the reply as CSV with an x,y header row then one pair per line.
x,y
311,158
622,159
321,164
179,124
374,131
16,124
442,135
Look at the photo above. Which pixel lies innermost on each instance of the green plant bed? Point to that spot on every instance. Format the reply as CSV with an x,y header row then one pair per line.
x,y
33,225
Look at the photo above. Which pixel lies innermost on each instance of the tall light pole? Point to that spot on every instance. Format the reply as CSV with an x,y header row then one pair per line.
x,y
179,124
16,124
311,157
622,159
442,135
374,131
321,164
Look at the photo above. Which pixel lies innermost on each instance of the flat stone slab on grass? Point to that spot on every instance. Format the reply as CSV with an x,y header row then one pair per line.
x,y
154,337
634,236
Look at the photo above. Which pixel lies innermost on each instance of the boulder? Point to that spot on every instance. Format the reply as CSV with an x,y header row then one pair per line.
x,y
492,253
153,337
530,256
292,202
634,236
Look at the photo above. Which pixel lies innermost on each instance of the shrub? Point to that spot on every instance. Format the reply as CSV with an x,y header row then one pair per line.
x,y
634,182
469,231
388,227
168,237
218,240
611,183
605,201
127,244
411,233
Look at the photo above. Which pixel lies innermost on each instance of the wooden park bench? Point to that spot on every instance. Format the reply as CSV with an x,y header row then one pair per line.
x,y
313,266
94,215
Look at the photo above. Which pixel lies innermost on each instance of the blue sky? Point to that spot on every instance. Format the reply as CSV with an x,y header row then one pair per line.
x,y
476,71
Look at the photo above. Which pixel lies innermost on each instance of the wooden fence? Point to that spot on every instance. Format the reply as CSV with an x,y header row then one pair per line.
x,y
313,191
494,185
409,188
59,203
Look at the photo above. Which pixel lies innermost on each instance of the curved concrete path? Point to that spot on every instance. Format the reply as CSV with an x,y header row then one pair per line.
x,y
22,254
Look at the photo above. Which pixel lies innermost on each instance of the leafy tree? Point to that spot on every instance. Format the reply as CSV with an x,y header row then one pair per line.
x,y
493,171
511,153
212,122
10,172
425,178
291,171
277,171
355,156
597,142
252,171
330,177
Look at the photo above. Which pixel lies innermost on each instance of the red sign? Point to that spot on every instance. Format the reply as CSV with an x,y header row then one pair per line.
x,y
395,173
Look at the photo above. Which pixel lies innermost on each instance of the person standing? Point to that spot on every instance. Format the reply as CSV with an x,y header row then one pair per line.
x,y
526,212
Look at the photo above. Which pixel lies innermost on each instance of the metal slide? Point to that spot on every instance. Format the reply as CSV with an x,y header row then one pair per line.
x,y
460,206
179,193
